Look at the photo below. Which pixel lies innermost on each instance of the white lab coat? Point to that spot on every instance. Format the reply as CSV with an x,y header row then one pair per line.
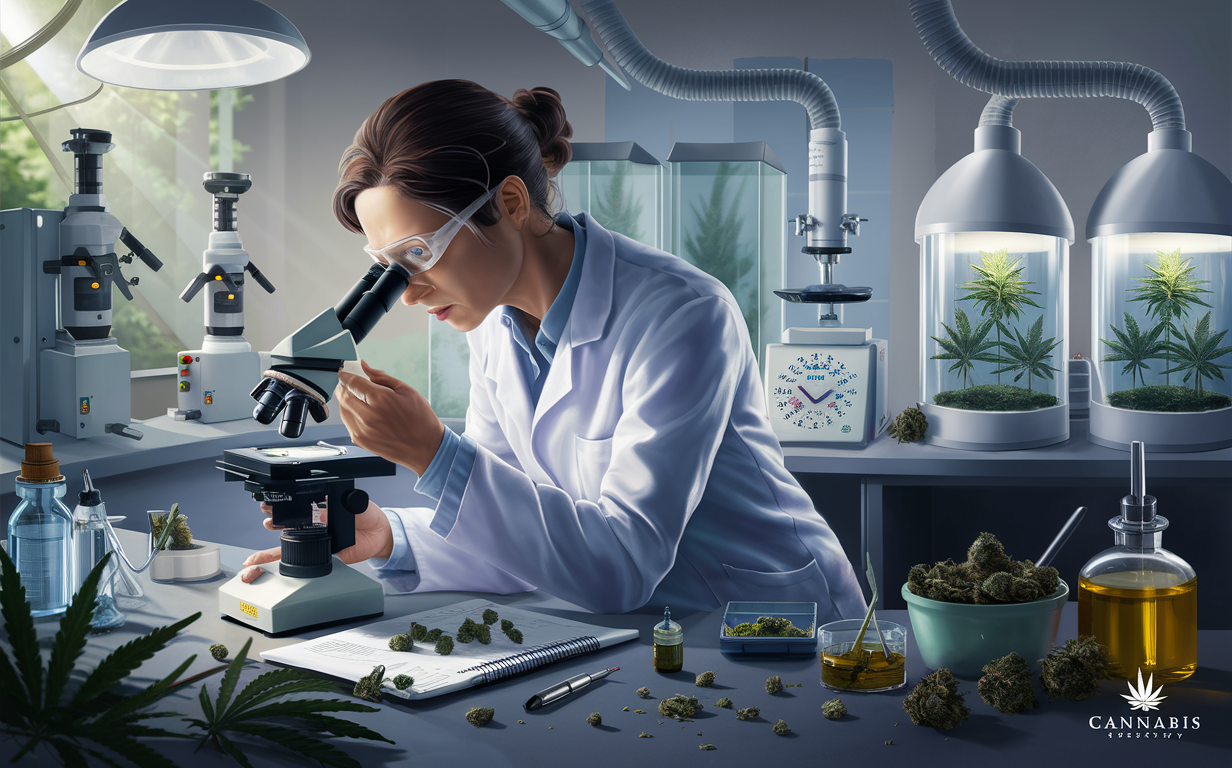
x,y
647,472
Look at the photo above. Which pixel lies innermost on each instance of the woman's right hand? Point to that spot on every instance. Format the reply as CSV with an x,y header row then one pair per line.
x,y
373,538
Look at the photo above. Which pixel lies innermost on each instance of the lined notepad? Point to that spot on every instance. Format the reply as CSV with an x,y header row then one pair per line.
x,y
545,640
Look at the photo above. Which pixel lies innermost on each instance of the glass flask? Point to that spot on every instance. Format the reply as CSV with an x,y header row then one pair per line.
x,y
40,533
1161,314
90,545
1137,598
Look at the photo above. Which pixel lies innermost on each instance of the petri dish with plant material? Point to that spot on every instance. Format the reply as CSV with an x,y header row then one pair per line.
x,y
851,662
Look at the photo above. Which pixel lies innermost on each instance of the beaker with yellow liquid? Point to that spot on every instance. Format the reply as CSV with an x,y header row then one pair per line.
x,y
1138,598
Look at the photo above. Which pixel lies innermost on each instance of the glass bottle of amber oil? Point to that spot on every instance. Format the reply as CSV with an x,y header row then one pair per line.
x,y
1138,598
668,644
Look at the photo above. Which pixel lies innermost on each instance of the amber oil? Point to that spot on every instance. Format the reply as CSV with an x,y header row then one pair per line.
x,y
1148,620
868,671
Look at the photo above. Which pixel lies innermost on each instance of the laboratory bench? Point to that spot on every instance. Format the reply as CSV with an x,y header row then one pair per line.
x,y
434,732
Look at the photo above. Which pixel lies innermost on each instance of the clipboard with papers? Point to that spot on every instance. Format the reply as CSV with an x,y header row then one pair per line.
x,y
353,653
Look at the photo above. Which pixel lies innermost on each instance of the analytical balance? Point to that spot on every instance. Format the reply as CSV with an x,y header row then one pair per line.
x,y
310,586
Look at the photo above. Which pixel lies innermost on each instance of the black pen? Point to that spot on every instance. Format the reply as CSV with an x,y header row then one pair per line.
x,y
561,690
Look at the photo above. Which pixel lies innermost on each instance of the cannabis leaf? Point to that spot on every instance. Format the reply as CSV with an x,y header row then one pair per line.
x,y
966,347
999,289
1030,355
1143,697
1169,292
250,714
619,211
1199,353
32,707
1134,348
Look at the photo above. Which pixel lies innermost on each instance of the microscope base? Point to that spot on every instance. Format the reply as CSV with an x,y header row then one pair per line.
x,y
276,604
218,380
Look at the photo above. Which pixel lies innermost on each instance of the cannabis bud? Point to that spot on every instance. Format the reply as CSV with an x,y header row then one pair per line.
x,y
444,646
724,702
644,735
747,714
1074,672
483,633
479,716
402,642
515,635
369,686
833,709
402,682
707,746
705,679
181,535
466,632
1006,685
909,426
506,625
767,626
433,635
218,651
595,719
644,692
489,616
988,576
781,728
418,631
680,706
774,684
936,702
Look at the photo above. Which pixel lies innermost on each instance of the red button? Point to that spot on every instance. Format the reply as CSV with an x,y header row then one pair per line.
x,y
185,359
183,371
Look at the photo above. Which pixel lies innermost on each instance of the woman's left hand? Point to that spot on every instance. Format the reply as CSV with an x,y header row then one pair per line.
x,y
389,417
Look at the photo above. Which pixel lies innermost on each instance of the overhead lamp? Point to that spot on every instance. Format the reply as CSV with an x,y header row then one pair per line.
x,y
187,45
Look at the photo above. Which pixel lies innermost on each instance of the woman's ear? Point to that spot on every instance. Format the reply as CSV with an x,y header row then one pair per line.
x,y
515,202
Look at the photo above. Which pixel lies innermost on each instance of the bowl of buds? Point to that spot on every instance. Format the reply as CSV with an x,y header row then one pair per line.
x,y
966,614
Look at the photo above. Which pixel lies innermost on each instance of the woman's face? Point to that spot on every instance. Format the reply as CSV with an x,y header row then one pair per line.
x,y
469,280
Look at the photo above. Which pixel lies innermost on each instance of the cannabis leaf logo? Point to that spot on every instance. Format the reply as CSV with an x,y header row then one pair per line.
x,y
1143,697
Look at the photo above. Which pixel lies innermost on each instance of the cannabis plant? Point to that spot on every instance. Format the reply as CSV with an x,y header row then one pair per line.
x,y
1134,348
36,707
1030,355
618,210
966,347
254,712
1169,293
716,249
1000,289
1199,353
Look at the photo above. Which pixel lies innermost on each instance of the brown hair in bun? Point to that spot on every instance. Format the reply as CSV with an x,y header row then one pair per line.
x,y
444,143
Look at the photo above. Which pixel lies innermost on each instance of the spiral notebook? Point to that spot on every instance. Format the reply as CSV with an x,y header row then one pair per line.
x,y
545,640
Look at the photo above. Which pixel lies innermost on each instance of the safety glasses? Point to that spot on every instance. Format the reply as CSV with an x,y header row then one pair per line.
x,y
418,253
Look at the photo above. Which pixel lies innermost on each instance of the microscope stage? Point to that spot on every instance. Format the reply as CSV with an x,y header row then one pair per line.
x,y
275,603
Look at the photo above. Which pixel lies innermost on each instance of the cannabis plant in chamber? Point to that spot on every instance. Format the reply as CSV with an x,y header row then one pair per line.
x,y
618,210
1000,289
1199,353
965,346
1169,293
1029,356
1134,348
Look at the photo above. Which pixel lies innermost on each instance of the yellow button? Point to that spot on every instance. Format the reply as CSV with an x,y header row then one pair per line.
x,y
183,386
217,277
80,263
93,285
230,295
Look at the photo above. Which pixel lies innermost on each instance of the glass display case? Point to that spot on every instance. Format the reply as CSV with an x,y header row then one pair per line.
x,y
1160,320
727,217
620,185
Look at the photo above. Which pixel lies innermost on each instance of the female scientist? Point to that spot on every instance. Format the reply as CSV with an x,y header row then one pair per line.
x,y
617,449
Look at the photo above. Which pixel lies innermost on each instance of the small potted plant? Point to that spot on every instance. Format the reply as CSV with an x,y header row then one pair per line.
x,y
966,614
182,558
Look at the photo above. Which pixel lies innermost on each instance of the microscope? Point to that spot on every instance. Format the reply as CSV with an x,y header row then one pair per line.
x,y
304,366
310,586
213,381
64,372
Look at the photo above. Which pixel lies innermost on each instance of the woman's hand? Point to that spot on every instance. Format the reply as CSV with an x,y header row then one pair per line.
x,y
389,417
373,538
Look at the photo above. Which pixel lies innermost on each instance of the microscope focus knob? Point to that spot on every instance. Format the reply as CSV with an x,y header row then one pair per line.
x,y
354,501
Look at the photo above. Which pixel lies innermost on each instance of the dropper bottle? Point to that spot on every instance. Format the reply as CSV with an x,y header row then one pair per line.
x,y
90,544
668,644
1138,598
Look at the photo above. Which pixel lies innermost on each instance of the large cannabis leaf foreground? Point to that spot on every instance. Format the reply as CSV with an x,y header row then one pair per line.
x,y
33,711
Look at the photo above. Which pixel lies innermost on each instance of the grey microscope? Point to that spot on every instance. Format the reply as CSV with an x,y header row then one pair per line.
x,y
213,382
62,370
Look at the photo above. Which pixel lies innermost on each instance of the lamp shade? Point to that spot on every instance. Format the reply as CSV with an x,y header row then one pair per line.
x,y
188,45
1169,189
994,189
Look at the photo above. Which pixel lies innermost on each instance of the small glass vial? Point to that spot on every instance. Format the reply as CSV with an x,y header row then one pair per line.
x,y
668,644
91,544
41,533
1138,598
